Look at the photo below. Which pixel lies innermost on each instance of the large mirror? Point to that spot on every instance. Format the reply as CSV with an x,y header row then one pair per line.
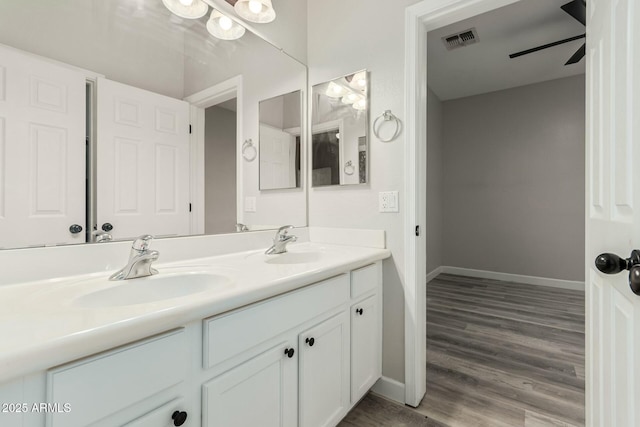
x,y
339,149
280,137
119,118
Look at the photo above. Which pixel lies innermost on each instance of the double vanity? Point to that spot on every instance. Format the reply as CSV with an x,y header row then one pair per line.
x,y
234,339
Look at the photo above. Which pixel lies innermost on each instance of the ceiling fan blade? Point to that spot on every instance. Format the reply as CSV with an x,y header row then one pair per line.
x,y
546,46
577,9
576,57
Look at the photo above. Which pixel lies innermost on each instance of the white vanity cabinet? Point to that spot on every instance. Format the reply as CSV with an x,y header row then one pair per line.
x,y
300,359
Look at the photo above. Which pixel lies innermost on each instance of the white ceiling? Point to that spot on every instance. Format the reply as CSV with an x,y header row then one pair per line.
x,y
486,67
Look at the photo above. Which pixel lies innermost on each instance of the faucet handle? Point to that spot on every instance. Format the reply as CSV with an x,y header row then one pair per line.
x,y
142,242
282,231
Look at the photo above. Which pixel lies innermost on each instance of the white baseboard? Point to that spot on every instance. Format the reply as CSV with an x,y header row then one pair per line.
x,y
517,278
389,388
433,273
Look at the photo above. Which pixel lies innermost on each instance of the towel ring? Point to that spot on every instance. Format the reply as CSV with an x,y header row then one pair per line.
x,y
249,151
348,168
387,116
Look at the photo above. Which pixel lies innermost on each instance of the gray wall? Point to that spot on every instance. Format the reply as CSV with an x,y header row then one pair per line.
x,y
435,144
220,171
514,180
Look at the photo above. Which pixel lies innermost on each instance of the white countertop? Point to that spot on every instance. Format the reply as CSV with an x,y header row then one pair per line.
x,y
44,323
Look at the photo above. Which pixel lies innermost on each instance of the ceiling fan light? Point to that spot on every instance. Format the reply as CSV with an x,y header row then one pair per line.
x,y
223,27
258,11
187,9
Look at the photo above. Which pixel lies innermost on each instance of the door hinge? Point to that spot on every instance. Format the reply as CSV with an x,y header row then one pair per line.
x,y
189,129
417,230
189,207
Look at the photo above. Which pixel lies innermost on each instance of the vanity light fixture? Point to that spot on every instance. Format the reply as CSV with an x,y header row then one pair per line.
x,y
360,104
359,80
350,98
223,27
258,11
335,90
188,9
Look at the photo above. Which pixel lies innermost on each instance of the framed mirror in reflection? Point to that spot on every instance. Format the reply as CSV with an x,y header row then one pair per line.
x,y
339,149
280,136
123,119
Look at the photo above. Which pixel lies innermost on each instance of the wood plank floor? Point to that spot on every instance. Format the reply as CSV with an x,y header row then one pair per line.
x,y
498,354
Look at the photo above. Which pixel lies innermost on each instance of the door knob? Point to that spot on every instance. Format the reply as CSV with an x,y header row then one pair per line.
x,y
359,311
289,352
107,227
612,264
75,229
310,341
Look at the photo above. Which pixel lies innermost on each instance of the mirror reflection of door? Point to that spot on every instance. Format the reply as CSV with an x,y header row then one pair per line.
x,y
220,168
280,129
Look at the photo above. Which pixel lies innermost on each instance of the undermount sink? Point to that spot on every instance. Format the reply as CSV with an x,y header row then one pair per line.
x,y
153,288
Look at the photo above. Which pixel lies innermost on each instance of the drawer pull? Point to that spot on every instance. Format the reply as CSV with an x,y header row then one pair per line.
x,y
359,311
179,418
289,352
310,341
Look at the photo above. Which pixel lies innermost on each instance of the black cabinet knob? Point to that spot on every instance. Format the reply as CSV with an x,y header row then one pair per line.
x,y
310,341
179,418
107,227
75,229
289,352
359,311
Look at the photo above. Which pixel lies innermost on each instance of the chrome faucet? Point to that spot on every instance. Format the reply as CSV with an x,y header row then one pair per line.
x,y
280,241
100,236
140,259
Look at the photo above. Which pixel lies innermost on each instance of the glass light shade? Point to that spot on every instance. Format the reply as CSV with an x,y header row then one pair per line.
x,y
223,27
350,98
359,81
334,90
189,10
360,104
259,11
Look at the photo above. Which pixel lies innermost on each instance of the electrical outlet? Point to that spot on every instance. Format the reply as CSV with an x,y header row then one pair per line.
x,y
388,201
249,204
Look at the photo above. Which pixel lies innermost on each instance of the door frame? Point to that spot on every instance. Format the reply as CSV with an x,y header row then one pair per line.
x,y
214,95
419,20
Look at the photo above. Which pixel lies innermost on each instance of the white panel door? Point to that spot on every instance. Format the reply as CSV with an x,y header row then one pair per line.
x,y
277,162
142,162
261,392
613,215
42,151
324,372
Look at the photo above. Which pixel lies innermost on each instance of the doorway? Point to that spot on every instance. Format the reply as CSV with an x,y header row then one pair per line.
x,y
220,168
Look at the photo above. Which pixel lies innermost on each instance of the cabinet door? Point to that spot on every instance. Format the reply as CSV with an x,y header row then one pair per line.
x,y
366,346
324,372
260,392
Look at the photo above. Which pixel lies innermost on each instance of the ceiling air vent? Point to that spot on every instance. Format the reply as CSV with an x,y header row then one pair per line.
x,y
461,39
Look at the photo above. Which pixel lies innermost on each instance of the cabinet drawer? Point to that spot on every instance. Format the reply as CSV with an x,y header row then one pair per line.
x,y
104,384
363,280
162,416
230,335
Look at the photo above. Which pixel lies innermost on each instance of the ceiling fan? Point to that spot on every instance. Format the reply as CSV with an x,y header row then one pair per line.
x,y
578,10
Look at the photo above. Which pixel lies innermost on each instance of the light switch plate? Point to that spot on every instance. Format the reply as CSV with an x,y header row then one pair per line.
x,y
249,204
388,201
